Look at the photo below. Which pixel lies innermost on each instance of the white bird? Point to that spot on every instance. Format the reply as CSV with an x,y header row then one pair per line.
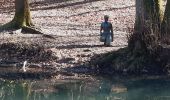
x,y
24,66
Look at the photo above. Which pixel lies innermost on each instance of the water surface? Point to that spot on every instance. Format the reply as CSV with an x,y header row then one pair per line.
x,y
90,89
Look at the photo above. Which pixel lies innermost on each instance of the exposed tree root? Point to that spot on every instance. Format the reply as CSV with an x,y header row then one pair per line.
x,y
32,30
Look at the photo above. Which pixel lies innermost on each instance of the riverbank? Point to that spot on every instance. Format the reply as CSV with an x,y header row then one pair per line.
x,y
61,55
71,37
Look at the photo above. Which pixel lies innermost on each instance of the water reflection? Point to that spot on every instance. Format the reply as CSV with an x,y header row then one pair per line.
x,y
98,89
12,91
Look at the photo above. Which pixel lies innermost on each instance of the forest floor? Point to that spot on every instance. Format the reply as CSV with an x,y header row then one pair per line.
x,y
74,26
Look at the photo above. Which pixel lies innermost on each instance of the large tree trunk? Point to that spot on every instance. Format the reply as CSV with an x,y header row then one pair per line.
x,y
147,24
148,12
166,19
22,16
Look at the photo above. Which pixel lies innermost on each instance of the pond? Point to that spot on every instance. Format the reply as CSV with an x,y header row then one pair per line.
x,y
98,88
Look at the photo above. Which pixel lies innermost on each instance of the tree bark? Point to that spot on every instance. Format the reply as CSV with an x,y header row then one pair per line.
x,y
166,19
147,24
22,14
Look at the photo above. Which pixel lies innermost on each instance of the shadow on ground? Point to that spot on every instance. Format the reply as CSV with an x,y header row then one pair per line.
x,y
48,2
85,46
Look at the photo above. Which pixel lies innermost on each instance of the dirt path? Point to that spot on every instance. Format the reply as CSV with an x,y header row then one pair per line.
x,y
75,25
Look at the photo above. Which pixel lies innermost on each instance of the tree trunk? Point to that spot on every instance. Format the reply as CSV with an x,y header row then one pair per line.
x,y
166,19
147,24
22,16
148,12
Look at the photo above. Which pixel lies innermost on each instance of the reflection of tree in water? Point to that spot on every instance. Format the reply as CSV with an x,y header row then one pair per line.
x,y
12,91
92,90
46,90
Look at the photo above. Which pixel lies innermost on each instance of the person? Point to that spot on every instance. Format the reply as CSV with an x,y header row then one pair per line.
x,y
106,32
